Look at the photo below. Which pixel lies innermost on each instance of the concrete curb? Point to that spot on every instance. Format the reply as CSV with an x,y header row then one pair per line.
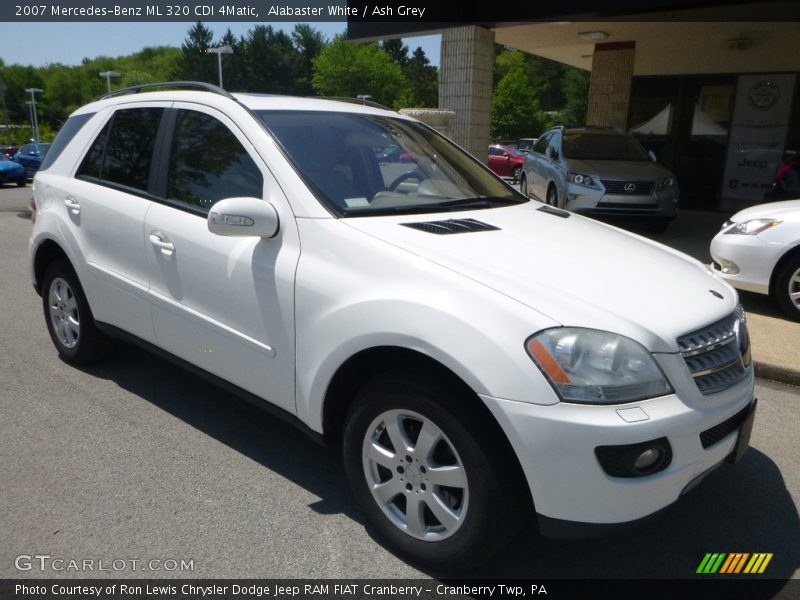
x,y
777,373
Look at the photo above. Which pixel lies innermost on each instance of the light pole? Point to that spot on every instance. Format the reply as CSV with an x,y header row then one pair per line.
x,y
219,51
35,119
108,75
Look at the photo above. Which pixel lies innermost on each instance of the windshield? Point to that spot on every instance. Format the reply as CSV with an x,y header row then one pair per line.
x,y
367,164
603,146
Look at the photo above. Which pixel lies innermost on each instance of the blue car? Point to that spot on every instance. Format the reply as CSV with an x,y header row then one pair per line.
x,y
11,172
30,156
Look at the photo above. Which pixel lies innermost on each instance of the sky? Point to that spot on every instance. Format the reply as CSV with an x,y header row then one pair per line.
x,y
38,44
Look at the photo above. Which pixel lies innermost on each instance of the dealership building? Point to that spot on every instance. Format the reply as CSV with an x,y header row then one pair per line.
x,y
711,87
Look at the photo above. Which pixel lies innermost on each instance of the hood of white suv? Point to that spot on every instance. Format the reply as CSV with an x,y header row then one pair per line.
x,y
574,270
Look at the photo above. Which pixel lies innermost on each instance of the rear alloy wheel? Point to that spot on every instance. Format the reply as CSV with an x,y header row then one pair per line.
x,y
787,287
418,463
552,196
68,317
517,173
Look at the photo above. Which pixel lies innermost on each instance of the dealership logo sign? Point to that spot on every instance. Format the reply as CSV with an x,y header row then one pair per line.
x,y
734,563
763,95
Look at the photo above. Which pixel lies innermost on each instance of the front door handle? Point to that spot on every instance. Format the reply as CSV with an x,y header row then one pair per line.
x,y
73,205
159,240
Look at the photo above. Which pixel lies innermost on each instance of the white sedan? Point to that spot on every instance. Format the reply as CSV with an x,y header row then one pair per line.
x,y
758,250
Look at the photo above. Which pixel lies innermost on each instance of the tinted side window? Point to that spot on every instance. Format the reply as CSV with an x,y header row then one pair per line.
x,y
123,150
541,143
92,165
129,148
555,143
64,137
207,163
495,152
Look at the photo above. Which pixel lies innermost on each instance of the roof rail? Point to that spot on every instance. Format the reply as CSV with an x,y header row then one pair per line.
x,y
353,101
188,85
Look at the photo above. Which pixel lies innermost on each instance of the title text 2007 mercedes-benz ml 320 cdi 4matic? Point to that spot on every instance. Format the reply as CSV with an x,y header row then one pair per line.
x,y
473,353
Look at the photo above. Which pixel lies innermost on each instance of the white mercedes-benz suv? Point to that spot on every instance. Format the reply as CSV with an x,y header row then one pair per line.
x,y
477,356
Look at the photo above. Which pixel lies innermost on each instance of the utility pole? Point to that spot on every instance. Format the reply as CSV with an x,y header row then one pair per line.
x,y
108,75
219,51
34,117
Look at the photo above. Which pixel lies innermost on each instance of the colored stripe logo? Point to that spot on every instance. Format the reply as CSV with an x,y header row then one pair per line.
x,y
734,563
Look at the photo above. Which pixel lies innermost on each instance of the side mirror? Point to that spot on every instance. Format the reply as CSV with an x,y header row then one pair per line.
x,y
243,217
652,155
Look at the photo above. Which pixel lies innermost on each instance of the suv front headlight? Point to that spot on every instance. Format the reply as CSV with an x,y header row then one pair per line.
x,y
596,367
584,180
666,182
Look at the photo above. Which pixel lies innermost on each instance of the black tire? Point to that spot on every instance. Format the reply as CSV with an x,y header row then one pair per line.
x,y
22,183
79,341
523,185
552,196
787,282
517,173
487,504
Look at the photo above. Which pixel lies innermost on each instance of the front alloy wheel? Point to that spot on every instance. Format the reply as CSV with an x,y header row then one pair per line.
x,y
434,479
415,475
552,196
787,287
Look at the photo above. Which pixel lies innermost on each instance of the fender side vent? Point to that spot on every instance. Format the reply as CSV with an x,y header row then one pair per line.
x,y
452,226
552,210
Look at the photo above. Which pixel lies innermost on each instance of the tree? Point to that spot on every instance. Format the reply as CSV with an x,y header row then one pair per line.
x,y
515,110
271,61
197,63
397,51
308,42
347,69
576,92
423,83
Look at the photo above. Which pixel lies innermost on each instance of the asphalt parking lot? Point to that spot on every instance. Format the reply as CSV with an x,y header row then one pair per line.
x,y
135,459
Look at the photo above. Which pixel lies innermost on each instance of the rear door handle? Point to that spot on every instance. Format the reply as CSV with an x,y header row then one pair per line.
x,y
73,205
159,240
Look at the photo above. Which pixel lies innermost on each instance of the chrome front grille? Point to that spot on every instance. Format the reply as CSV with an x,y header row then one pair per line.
x,y
718,355
628,188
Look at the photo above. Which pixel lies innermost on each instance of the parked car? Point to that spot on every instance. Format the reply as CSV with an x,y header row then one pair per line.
x,y
525,145
394,153
11,172
505,162
400,318
758,250
600,171
30,156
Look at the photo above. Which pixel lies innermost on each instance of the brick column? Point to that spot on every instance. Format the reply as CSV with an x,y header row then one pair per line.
x,y
610,85
465,85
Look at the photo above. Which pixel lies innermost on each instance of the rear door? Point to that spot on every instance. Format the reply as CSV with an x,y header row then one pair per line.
x,y
106,205
225,304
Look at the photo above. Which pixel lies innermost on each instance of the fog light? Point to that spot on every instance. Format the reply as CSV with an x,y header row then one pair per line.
x,y
647,459
729,267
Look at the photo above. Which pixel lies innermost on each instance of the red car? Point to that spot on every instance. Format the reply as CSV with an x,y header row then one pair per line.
x,y
505,162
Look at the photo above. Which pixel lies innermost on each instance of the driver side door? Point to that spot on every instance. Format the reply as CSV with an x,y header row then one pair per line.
x,y
224,304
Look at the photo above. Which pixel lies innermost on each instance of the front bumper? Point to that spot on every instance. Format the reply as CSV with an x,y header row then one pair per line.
x,y
754,260
661,205
556,448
